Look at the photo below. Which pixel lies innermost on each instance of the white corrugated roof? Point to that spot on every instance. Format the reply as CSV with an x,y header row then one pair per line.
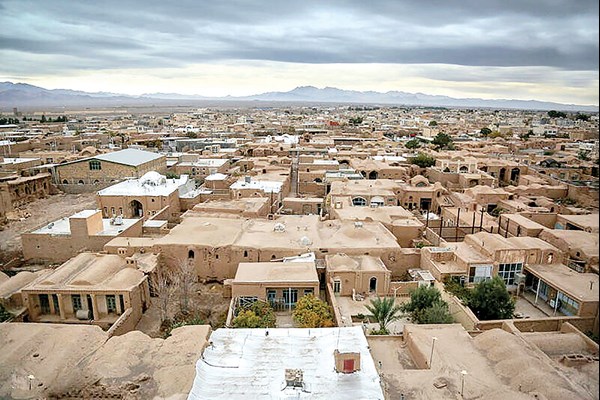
x,y
251,364
131,157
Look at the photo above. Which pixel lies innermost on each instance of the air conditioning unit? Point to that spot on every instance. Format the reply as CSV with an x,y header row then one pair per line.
x,y
552,303
83,314
520,279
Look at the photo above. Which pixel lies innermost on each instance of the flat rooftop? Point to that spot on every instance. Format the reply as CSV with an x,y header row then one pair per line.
x,y
251,364
292,232
581,286
151,184
276,272
522,221
343,262
63,227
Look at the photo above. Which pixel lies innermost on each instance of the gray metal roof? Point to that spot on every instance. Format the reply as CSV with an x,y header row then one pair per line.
x,y
131,157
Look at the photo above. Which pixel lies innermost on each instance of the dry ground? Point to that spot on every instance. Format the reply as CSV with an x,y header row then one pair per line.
x,y
36,214
206,304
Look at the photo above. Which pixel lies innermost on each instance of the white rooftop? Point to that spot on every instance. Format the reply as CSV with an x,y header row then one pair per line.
x,y
8,160
62,227
216,177
266,186
251,364
389,158
325,162
205,162
131,157
150,184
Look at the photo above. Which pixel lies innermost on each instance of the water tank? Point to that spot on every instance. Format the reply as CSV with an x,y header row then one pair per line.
x,y
83,314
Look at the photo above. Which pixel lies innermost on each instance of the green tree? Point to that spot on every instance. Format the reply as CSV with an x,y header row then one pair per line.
x,y
584,155
490,300
257,315
412,144
582,117
485,131
312,312
423,160
433,123
438,313
427,307
442,141
4,315
247,319
356,121
556,114
43,118
384,311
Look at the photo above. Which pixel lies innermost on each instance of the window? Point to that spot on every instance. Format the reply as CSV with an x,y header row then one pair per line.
x,y
111,303
359,201
76,300
95,165
543,290
290,296
337,286
308,291
56,304
44,304
480,273
567,305
508,271
271,295
191,255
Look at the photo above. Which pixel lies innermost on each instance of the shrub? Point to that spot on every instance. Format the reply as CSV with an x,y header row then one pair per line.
x,y
257,315
312,312
490,300
427,307
423,160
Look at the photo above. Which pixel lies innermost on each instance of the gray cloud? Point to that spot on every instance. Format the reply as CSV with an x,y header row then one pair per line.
x,y
556,33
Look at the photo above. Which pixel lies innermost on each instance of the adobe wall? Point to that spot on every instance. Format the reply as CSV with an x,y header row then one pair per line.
x,y
461,313
549,324
418,357
59,248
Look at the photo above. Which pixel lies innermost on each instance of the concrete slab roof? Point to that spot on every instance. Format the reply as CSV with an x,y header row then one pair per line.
x,y
276,272
580,286
342,262
131,157
251,364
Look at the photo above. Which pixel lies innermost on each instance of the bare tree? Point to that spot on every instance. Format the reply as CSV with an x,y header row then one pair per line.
x,y
165,290
186,280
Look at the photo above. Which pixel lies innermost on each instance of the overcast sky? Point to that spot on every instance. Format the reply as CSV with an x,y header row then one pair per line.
x,y
522,49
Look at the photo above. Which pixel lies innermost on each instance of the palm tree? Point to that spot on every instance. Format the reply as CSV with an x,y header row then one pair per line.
x,y
384,311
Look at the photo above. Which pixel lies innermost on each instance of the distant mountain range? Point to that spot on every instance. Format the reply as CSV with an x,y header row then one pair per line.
x,y
29,96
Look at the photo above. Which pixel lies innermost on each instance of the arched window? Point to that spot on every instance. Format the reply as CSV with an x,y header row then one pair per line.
x,y
373,284
191,255
377,201
359,201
